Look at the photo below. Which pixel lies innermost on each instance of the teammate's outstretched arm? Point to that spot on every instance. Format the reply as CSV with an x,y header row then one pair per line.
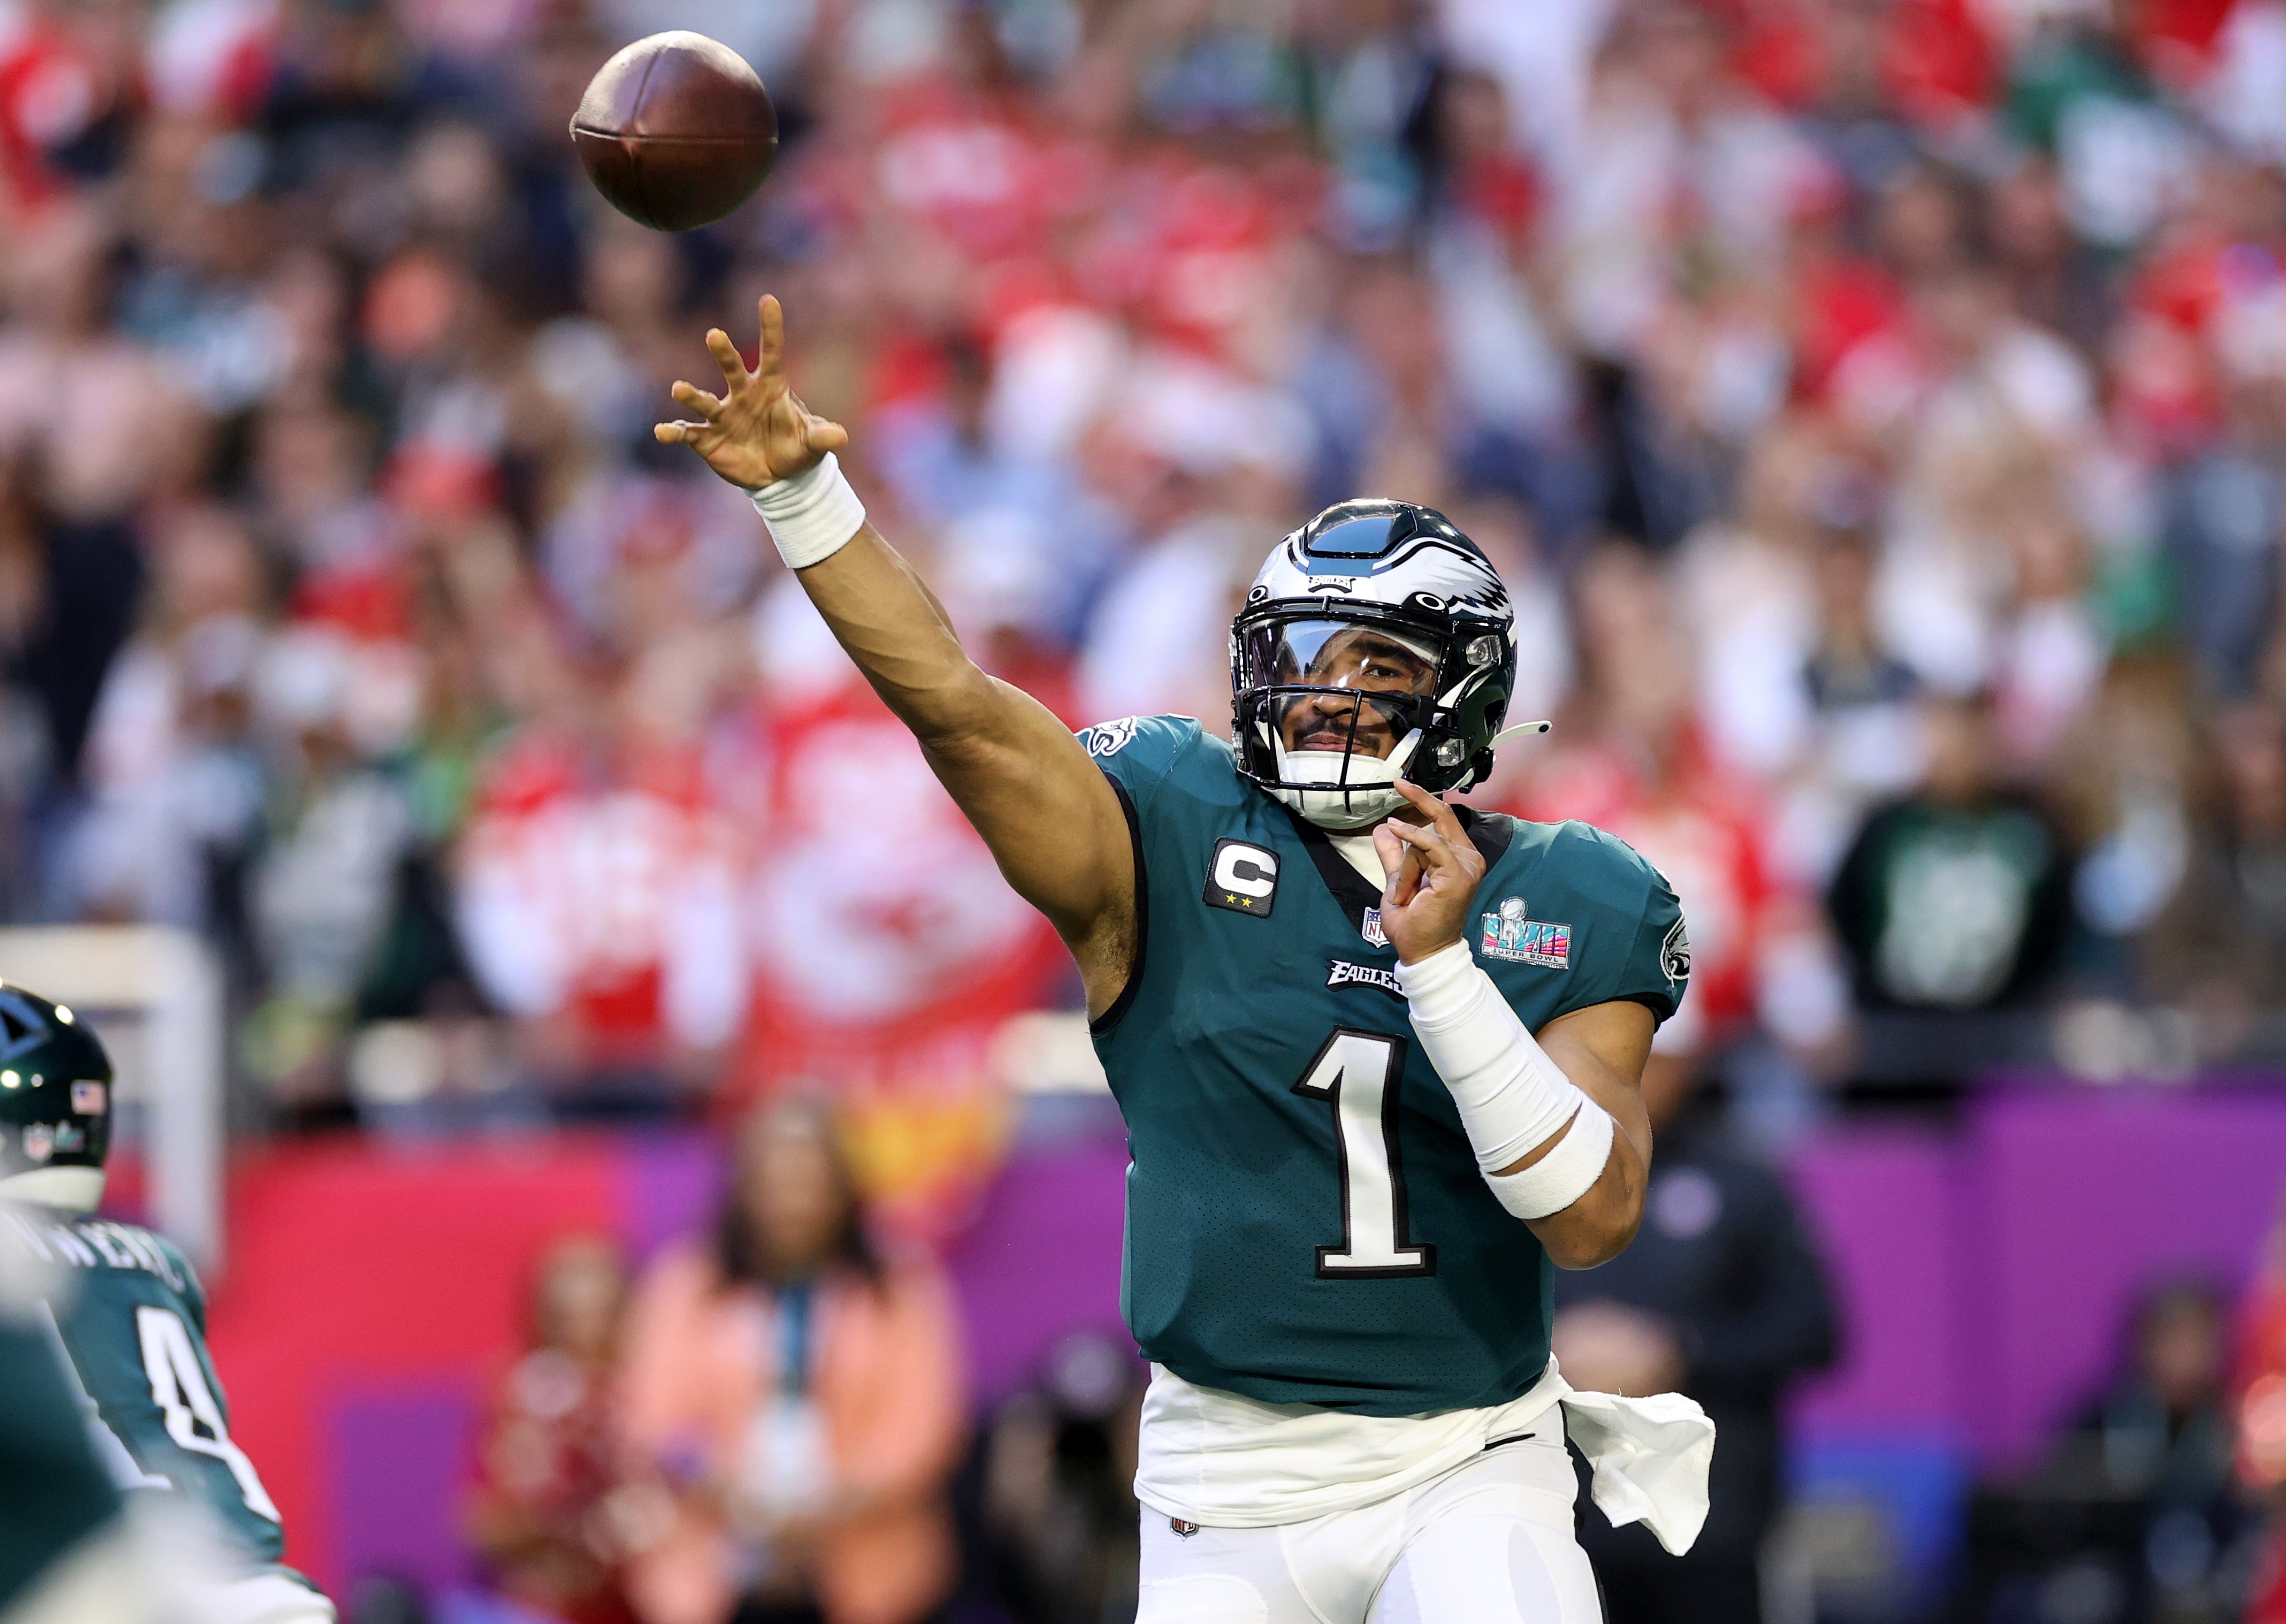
x,y
1052,819
1561,1112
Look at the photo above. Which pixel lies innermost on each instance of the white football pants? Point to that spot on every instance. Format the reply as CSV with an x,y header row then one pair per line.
x,y
1489,1543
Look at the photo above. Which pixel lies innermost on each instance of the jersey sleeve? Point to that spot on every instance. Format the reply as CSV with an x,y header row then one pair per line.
x,y
1642,952
1139,754
1658,968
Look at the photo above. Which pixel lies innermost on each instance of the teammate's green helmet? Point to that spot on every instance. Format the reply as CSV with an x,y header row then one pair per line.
x,y
55,1102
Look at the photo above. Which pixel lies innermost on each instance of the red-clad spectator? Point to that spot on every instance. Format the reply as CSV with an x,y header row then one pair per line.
x,y
1928,60
550,1510
1840,298
972,169
596,887
65,72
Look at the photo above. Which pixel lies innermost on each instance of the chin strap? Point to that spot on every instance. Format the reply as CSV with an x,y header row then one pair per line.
x,y
1356,790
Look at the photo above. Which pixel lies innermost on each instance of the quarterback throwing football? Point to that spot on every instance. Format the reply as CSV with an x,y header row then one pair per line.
x,y
1378,1056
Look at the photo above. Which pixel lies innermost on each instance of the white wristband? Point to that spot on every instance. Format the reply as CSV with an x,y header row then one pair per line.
x,y
1565,1173
812,515
1512,1097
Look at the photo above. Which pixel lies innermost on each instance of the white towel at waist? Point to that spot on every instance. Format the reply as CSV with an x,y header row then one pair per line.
x,y
1649,1458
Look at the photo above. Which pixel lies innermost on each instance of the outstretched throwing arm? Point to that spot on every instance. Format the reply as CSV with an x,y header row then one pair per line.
x,y
1051,818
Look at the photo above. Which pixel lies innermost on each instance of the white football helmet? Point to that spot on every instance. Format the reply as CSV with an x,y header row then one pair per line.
x,y
1377,642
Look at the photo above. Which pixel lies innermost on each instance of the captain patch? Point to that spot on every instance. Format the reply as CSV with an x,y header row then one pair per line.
x,y
1509,934
1243,878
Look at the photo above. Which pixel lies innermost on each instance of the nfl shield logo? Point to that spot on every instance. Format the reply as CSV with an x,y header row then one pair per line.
x,y
39,1142
86,1099
1373,932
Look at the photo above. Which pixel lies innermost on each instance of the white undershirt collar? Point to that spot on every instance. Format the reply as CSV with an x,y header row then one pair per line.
x,y
1357,850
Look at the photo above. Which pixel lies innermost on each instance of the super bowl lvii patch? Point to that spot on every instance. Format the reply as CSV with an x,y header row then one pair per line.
x,y
1508,933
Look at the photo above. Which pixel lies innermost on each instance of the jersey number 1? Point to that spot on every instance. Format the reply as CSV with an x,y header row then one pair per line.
x,y
1359,1073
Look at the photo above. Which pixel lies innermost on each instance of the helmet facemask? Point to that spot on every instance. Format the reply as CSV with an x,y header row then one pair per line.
x,y
1334,707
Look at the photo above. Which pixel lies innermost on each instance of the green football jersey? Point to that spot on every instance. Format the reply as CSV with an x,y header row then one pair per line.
x,y
1305,1219
130,1315
54,1493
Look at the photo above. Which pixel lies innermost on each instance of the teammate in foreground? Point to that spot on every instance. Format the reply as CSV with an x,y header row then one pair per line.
x,y
1316,989
127,1318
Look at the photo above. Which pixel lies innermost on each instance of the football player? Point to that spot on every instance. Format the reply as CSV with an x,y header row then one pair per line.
x,y
58,1511
124,1310
1377,1055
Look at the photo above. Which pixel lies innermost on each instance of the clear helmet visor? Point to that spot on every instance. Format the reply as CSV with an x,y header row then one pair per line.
x,y
1343,654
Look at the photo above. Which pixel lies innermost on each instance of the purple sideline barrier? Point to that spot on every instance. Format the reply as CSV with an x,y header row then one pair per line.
x,y
1041,1261
1982,1274
2073,1203
1984,1278
1878,1202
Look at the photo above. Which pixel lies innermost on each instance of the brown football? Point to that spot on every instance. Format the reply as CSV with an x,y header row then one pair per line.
x,y
676,130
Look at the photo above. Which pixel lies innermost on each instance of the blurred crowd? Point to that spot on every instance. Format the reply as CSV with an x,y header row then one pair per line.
x,y
1877,406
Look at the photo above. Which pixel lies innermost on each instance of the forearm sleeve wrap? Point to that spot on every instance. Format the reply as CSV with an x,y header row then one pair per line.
x,y
1512,1097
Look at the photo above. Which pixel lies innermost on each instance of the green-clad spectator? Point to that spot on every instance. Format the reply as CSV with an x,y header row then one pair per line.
x,y
2077,92
129,1316
1958,895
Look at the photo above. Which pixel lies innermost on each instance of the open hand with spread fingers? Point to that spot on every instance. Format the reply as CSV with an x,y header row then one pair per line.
x,y
1433,868
756,432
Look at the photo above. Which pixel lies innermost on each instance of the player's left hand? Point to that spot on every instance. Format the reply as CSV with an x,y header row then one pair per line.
x,y
1433,869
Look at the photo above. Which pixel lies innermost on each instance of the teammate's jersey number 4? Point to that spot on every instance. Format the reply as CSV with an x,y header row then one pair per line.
x,y
1357,1073
179,1386
187,1402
